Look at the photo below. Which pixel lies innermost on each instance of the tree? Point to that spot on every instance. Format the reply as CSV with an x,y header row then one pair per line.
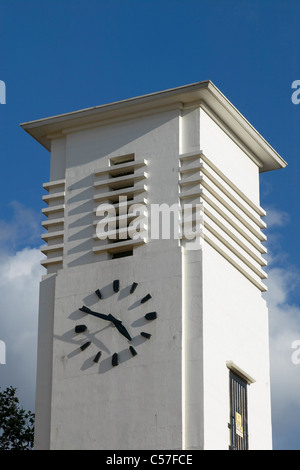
x,y
16,424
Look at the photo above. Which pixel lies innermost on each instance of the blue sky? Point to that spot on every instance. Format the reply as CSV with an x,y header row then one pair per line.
x,y
62,55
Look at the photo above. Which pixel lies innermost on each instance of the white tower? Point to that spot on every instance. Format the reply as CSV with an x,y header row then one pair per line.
x,y
194,371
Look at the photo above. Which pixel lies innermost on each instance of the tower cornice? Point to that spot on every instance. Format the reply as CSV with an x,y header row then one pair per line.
x,y
205,92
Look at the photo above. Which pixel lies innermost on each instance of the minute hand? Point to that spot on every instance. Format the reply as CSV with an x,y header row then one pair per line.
x,y
95,314
120,327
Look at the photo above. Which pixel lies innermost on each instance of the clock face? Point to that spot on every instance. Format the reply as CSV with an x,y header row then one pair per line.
x,y
122,327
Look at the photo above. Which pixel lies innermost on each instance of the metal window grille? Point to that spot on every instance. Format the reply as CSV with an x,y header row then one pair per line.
x,y
238,413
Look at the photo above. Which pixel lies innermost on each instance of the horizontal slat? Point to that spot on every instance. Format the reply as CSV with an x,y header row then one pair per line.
x,y
116,169
114,195
48,235
194,178
51,222
53,184
53,196
191,166
117,233
119,219
137,199
49,248
121,180
49,261
118,246
186,192
53,209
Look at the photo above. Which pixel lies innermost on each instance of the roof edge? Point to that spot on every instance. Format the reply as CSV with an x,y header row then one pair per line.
x,y
42,129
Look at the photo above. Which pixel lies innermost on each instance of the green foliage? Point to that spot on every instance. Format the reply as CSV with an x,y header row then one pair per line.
x,y
16,424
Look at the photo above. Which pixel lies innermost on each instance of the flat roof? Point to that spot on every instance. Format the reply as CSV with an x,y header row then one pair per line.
x,y
204,93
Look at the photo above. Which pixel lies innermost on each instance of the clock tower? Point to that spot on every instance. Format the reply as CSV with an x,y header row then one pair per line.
x,y
153,332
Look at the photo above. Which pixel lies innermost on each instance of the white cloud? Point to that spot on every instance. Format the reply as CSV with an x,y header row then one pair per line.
x,y
20,274
276,218
284,320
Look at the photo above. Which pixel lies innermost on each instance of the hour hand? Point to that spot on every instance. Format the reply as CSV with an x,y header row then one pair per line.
x,y
95,314
120,327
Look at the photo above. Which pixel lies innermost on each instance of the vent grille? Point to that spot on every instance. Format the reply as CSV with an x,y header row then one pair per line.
x,y
54,225
120,186
232,223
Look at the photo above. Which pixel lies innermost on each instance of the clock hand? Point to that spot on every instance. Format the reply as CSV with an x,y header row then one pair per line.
x,y
115,321
95,314
121,328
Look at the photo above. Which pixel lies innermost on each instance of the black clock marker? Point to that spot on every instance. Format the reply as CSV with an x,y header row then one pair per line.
x,y
144,299
85,345
133,287
98,293
80,328
115,360
97,357
116,285
133,351
151,316
145,335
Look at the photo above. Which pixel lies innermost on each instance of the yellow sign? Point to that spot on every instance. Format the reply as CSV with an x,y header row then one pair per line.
x,y
238,425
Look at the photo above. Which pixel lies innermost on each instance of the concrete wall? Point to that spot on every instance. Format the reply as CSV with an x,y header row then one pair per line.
x,y
136,405
227,155
235,316
235,329
44,363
